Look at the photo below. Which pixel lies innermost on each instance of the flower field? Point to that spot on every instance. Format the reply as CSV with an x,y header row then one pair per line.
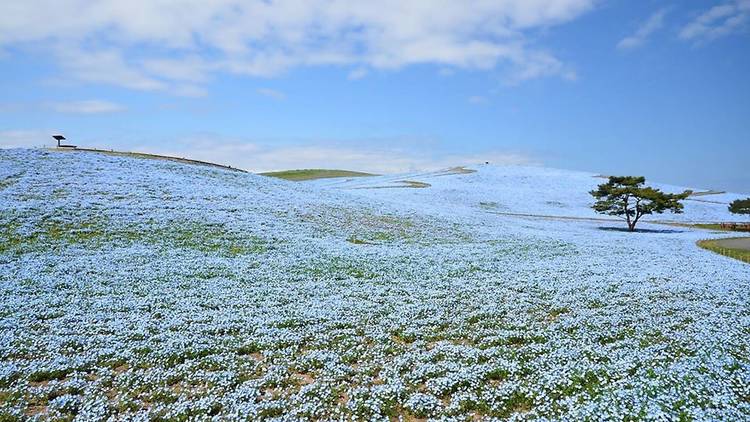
x,y
135,289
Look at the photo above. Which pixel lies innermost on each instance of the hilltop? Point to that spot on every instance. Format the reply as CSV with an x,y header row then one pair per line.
x,y
153,289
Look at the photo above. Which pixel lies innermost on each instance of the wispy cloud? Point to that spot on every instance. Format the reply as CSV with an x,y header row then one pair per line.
x,y
379,155
651,25
362,155
107,66
537,64
271,93
717,22
85,107
155,46
25,138
357,74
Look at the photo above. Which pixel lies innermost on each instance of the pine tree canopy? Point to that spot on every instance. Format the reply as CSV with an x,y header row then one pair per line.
x,y
740,206
629,197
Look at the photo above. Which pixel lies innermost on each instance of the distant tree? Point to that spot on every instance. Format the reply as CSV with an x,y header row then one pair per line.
x,y
740,206
627,196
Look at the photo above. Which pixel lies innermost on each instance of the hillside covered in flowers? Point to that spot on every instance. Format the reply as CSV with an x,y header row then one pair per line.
x,y
134,289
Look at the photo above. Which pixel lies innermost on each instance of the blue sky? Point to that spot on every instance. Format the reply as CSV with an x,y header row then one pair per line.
x,y
617,87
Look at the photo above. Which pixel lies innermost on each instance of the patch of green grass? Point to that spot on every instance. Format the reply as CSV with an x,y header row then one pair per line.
x,y
8,239
271,410
556,312
498,374
312,174
248,349
358,241
590,382
98,232
8,398
209,239
622,335
521,340
49,375
415,184
162,396
179,357
708,226
372,238
518,402
48,232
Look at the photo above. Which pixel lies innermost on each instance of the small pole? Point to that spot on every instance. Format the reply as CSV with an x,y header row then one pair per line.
x,y
58,138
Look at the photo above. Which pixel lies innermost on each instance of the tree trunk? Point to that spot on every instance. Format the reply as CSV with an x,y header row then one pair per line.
x,y
630,224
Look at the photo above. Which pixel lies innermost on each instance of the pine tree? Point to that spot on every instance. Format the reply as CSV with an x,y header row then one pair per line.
x,y
740,206
627,196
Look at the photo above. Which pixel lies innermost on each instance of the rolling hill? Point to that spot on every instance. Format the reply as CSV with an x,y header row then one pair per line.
x,y
146,289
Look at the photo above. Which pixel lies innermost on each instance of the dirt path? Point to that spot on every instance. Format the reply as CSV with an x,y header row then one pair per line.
x,y
554,217
399,184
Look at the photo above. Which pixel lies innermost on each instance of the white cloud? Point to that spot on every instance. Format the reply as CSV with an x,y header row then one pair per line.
x,y
271,93
382,155
189,69
537,64
26,138
162,45
717,21
107,67
651,25
379,156
357,74
85,107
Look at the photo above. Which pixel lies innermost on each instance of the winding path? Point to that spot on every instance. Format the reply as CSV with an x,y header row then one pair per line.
x,y
742,243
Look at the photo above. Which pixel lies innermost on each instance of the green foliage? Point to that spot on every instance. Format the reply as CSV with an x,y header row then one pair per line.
x,y
740,206
628,196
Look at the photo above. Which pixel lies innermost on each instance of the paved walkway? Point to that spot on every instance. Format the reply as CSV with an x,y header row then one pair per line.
x,y
742,243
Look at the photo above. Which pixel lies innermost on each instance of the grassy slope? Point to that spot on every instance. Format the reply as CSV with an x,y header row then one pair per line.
x,y
312,174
